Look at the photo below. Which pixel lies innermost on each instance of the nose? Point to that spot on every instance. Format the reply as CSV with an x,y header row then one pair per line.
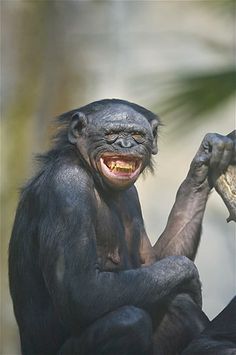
x,y
124,142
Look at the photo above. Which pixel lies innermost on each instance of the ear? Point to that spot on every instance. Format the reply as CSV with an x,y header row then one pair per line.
x,y
154,125
78,123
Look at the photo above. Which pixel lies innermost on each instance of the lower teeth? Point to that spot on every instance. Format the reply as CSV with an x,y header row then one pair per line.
x,y
122,170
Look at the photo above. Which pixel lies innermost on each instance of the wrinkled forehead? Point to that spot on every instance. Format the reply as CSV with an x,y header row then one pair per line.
x,y
118,115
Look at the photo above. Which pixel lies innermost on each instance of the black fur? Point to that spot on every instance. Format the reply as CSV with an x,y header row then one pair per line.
x,y
74,257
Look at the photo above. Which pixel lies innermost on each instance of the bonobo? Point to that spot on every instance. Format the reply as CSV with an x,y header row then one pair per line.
x,y
84,277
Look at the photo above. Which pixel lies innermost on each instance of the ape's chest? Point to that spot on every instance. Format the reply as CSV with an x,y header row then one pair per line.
x,y
117,236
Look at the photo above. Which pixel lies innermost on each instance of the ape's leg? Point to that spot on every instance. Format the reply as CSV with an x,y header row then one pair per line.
x,y
219,338
126,331
177,324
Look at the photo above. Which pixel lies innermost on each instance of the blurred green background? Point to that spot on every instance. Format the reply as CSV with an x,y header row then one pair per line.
x,y
176,58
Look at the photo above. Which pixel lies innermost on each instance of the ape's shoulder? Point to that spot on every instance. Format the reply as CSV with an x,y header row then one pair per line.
x,y
70,182
71,175
59,178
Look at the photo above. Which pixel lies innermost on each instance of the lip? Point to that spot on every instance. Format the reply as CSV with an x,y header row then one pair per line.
x,y
126,168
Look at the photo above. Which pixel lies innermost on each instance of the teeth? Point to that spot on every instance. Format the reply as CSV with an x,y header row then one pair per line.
x,y
121,166
123,169
124,165
113,165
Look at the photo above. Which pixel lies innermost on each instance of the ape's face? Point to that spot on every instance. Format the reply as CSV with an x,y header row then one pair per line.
x,y
117,143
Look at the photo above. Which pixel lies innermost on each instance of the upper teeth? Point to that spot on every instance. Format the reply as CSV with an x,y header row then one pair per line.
x,y
122,165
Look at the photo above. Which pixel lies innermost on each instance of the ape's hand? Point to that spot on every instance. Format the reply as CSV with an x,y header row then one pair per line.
x,y
213,157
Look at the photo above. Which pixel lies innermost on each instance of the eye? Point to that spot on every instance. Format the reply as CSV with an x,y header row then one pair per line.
x,y
111,136
138,137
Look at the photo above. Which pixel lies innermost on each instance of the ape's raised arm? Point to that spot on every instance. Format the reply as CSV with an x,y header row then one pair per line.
x,y
182,233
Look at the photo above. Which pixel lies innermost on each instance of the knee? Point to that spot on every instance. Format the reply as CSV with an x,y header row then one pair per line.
x,y
137,325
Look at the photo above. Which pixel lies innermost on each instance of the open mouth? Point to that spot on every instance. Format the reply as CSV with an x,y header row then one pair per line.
x,y
120,167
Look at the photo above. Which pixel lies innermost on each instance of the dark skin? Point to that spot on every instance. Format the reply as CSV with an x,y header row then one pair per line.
x,y
84,277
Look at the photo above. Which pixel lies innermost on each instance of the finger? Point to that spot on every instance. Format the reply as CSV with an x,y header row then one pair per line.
x,y
234,154
226,157
207,143
222,148
216,154
212,140
232,135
